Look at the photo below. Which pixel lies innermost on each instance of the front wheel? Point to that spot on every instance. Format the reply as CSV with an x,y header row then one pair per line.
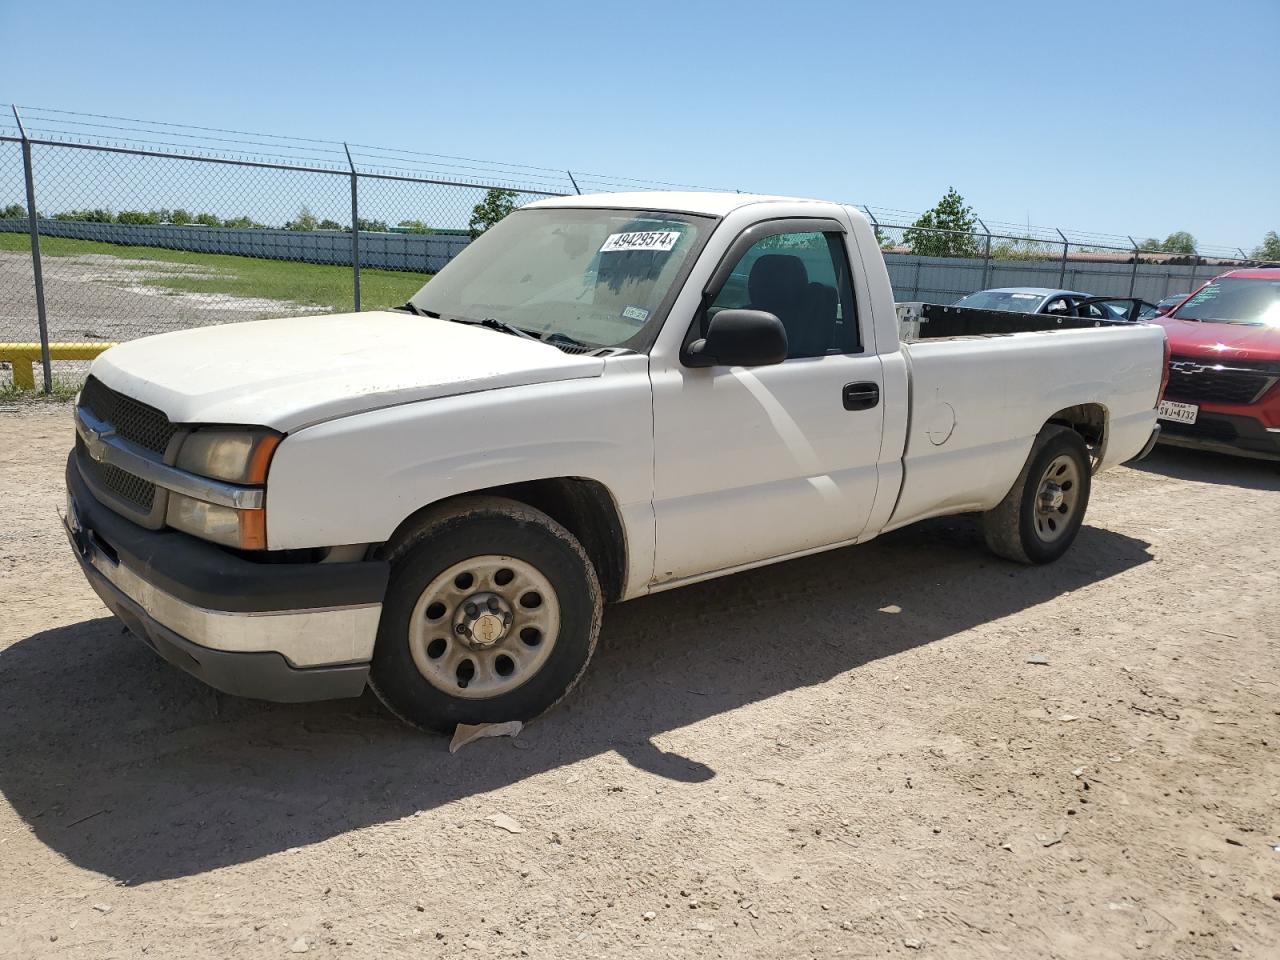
x,y
492,613
1038,519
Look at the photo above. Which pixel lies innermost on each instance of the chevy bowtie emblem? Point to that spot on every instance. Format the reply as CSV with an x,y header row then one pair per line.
x,y
95,440
1189,366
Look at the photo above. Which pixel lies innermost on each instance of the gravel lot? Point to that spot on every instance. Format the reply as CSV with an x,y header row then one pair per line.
x,y
846,755
97,297
103,297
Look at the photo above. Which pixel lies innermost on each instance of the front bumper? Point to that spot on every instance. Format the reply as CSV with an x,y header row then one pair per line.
x,y
1238,435
272,631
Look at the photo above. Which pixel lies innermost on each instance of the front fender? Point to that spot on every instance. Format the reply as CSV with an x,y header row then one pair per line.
x,y
355,479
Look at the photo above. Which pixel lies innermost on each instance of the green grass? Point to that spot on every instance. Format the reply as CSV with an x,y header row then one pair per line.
x,y
305,283
63,390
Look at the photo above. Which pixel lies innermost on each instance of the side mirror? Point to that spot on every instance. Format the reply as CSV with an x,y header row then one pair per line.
x,y
739,338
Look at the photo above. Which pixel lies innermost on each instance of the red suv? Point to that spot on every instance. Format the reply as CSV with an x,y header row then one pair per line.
x,y
1224,366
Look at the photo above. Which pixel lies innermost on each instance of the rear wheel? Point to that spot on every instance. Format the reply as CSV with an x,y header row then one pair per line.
x,y
492,613
1040,516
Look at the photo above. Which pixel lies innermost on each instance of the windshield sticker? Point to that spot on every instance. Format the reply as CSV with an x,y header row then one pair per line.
x,y
638,314
1025,296
661,240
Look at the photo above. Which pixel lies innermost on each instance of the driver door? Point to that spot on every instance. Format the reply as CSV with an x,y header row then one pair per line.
x,y
757,463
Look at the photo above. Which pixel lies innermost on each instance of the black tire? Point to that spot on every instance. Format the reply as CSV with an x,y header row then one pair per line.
x,y
1010,527
472,527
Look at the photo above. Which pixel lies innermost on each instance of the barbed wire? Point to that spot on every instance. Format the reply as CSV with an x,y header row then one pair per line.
x,y
197,141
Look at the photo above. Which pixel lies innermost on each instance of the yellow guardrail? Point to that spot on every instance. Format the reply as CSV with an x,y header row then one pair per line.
x,y
24,355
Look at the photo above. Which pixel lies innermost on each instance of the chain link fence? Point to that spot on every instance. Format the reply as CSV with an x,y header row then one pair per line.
x,y
148,227
941,266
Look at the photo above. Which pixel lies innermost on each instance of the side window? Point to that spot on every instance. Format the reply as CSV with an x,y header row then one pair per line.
x,y
803,279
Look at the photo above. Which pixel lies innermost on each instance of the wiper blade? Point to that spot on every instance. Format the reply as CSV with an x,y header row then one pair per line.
x,y
417,311
493,323
565,339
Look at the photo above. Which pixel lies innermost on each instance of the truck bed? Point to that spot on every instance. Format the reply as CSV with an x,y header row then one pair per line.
x,y
979,396
934,321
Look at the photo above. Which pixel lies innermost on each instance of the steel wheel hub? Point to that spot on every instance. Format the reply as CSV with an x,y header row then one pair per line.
x,y
1057,497
484,626
482,620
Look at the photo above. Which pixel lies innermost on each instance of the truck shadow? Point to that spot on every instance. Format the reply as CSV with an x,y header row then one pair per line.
x,y
128,767
1203,466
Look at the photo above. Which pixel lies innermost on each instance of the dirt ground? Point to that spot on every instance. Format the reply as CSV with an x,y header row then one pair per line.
x,y
845,755
104,298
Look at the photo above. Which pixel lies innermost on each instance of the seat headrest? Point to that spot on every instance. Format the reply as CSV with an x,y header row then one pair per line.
x,y
776,280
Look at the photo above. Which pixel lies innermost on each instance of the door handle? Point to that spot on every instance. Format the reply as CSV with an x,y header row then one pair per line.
x,y
860,396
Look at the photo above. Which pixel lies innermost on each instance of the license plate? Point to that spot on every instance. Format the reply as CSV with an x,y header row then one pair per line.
x,y
1179,412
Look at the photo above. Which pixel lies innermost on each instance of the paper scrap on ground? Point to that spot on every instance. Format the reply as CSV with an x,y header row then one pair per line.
x,y
503,822
471,732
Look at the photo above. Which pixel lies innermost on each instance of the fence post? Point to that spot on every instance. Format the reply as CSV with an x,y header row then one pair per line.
x,y
355,230
875,224
574,182
1062,273
1133,276
1195,262
37,271
986,256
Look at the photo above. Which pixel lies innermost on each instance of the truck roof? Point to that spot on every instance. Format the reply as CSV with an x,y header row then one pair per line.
x,y
677,201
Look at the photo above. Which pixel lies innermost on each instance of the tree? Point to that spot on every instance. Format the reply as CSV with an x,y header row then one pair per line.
x,y
137,217
16,211
951,214
243,223
180,217
87,216
1268,250
1179,242
414,226
207,220
329,225
497,203
305,221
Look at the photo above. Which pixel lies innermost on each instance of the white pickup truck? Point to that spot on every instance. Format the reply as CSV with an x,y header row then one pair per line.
x,y
601,397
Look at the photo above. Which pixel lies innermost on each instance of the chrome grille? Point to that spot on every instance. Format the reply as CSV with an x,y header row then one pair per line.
x,y
132,420
139,424
1232,381
136,491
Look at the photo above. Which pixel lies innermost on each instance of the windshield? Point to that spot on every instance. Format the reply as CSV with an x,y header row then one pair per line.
x,y
1234,300
600,277
1002,300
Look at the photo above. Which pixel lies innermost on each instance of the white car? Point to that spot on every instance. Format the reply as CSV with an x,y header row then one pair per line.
x,y
600,398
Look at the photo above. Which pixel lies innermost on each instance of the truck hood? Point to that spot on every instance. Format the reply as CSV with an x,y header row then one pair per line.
x,y
296,371
1239,341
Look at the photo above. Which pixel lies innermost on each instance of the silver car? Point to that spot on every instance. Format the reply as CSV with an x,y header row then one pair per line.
x,y
1059,302
1025,300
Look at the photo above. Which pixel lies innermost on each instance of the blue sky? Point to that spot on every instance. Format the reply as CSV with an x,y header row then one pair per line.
x,y
1114,116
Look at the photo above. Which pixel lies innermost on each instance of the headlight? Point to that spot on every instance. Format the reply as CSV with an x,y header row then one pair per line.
x,y
232,455
244,529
